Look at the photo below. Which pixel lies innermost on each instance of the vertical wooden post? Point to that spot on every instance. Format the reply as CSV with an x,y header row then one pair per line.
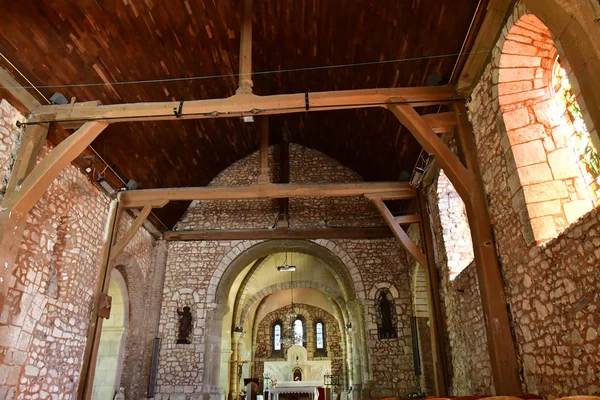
x,y
284,177
491,286
263,177
436,319
245,85
86,380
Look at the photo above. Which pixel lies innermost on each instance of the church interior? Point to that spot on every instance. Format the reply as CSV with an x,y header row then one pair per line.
x,y
300,199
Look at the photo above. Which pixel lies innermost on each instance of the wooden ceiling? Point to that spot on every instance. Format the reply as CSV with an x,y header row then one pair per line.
x,y
89,42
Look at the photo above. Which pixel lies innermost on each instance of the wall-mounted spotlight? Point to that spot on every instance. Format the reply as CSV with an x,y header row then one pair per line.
x,y
349,326
58,99
107,187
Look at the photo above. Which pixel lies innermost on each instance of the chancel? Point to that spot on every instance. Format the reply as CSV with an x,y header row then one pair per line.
x,y
299,199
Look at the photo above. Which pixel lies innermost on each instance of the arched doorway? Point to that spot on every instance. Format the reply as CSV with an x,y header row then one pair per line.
x,y
233,323
111,351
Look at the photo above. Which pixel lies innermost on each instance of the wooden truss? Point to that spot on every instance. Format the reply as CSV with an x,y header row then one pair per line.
x,y
30,183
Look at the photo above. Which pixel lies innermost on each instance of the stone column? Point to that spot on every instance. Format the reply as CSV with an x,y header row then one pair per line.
x,y
233,367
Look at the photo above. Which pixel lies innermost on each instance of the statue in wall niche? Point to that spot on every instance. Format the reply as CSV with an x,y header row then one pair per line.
x,y
185,325
120,394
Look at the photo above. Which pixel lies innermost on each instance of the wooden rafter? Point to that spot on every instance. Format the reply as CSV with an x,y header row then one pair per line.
x,y
248,104
31,144
487,36
18,96
86,379
246,83
503,357
436,317
35,184
135,226
284,177
399,233
263,177
442,122
160,197
461,178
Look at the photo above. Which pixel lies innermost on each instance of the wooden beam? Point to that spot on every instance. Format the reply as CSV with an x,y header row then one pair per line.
x,y
402,237
408,219
284,177
31,144
442,122
263,177
436,318
491,285
135,226
245,85
248,104
487,36
90,355
35,184
281,233
461,178
15,94
159,197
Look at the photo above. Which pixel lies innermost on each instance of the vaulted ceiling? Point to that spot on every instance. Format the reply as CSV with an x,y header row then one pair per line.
x,y
90,42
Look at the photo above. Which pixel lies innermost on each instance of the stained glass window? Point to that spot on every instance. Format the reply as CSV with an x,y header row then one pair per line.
x,y
277,337
581,141
298,332
319,330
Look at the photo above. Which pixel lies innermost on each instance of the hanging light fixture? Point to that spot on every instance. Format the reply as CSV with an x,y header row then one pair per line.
x,y
289,336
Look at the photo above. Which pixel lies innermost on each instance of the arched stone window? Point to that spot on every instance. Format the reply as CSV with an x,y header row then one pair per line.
x,y
387,320
299,332
553,165
320,339
277,337
455,225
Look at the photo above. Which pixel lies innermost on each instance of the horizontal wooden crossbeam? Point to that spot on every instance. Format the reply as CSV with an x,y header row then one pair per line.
x,y
246,104
281,233
160,197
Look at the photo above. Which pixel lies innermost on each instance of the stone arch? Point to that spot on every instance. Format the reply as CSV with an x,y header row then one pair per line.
x,y
328,249
456,232
576,36
283,286
342,268
111,350
385,286
132,378
547,182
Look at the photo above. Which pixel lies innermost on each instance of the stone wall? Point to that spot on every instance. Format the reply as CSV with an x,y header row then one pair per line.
x,y
334,341
194,270
551,289
43,325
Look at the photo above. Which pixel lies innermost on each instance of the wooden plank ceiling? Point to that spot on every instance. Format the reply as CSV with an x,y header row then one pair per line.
x,y
66,42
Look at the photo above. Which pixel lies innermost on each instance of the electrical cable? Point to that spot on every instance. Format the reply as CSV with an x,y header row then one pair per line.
x,y
268,72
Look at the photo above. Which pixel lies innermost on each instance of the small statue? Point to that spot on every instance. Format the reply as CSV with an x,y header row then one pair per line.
x,y
185,325
120,394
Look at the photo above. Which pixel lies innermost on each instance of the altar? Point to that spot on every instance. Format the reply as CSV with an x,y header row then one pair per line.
x,y
296,375
308,387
